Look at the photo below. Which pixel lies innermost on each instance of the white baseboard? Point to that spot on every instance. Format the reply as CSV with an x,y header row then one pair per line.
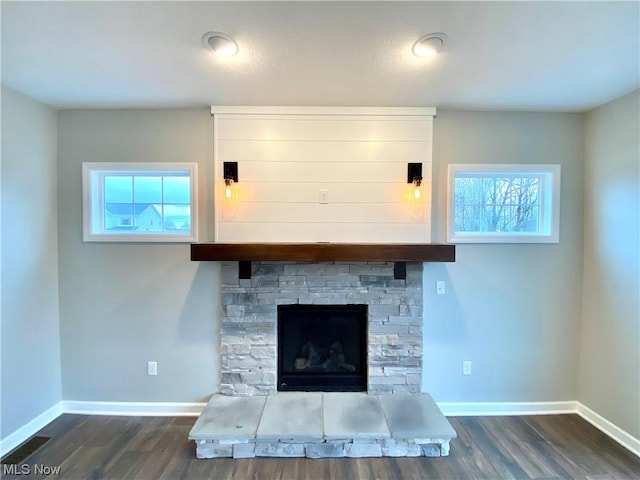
x,y
142,409
26,431
465,409
623,438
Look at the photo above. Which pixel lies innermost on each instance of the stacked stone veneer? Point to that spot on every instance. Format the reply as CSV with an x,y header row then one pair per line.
x,y
249,315
355,448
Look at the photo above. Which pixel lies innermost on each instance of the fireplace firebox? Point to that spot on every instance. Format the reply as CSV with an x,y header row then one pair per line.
x,y
322,348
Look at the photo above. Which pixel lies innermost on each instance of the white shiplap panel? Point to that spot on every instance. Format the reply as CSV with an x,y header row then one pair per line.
x,y
319,151
309,192
324,232
369,130
322,172
284,161
342,213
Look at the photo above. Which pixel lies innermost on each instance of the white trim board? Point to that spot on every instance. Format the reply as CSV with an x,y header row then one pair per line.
x,y
605,426
484,409
465,409
255,110
142,409
22,434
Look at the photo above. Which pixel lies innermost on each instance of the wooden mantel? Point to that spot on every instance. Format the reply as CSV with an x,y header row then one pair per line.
x,y
399,253
325,252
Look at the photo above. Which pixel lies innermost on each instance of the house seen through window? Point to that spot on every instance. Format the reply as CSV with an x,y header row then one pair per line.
x,y
147,203
141,202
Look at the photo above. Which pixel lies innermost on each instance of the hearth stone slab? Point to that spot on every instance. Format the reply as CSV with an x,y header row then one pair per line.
x,y
292,417
410,416
229,418
306,424
353,415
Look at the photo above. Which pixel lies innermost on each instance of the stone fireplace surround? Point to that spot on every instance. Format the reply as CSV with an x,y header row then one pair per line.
x,y
249,313
391,419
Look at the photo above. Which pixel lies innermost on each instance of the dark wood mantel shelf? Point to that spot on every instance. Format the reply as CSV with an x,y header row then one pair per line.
x,y
399,253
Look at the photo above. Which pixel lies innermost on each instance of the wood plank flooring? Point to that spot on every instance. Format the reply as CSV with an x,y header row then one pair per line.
x,y
524,447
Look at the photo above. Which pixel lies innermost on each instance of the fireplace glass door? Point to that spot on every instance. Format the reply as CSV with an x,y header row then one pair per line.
x,y
322,348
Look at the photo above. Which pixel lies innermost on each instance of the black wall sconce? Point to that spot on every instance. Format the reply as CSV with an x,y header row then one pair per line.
x,y
414,175
230,174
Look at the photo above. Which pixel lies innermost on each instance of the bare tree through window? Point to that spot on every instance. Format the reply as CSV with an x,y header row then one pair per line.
x,y
497,203
503,203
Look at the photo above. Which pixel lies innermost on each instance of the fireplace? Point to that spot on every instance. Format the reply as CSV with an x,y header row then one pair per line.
x,y
250,348
322,348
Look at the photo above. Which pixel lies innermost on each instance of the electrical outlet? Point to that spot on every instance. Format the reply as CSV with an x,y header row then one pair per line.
x,y
324,196
152,368
466,367
440,289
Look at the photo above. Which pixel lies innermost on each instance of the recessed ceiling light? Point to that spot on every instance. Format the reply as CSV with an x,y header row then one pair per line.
x,y
429,45
220,44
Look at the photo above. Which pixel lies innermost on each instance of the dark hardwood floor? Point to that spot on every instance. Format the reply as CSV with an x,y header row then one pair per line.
x,y
525,447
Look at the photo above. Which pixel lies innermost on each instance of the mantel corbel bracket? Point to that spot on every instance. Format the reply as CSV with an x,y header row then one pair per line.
x,y
400,270
244,269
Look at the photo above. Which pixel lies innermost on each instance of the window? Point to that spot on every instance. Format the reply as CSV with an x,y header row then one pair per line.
x,y
139,202
503,203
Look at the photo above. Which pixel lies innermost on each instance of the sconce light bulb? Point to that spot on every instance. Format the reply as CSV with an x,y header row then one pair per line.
x,y
228,191
417,182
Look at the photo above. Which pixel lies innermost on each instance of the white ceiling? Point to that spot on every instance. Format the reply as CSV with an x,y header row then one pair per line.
x,y
552,56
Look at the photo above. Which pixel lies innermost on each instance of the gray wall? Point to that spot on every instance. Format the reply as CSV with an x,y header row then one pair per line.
x,y
122,304
610,353
513,310
30,326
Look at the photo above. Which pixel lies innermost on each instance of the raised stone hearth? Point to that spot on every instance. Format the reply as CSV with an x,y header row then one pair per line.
x,y
249,315
321,425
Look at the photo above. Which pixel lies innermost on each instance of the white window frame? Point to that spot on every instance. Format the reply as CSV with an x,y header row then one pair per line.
x,y
93,201
549,208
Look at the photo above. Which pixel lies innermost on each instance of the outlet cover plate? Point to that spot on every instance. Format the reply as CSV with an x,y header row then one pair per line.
x,y
466,367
